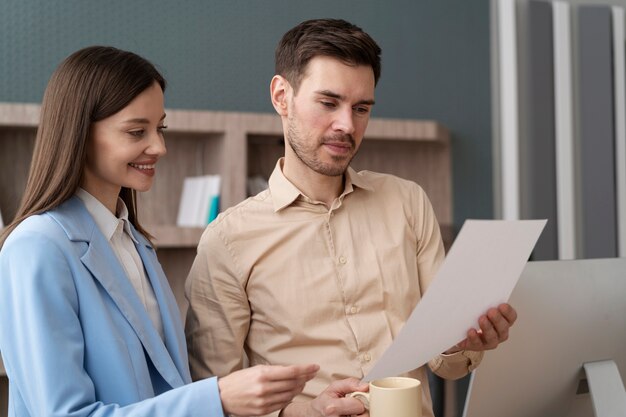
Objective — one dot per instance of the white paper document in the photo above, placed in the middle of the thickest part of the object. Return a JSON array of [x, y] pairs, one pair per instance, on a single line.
[[479, 272]]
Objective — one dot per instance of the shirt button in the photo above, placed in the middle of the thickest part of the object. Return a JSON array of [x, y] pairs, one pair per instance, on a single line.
[[353, 310], [342, 260], [367, 357]]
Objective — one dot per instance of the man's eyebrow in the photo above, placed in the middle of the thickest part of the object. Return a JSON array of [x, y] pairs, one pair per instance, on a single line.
[[334, 95], [142, 120]]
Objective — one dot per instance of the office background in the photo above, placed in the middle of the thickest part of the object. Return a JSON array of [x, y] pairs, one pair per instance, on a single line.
[[218, 55], [559, 130]]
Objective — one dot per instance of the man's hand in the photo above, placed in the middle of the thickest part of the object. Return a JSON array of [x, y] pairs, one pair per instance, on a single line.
[[331, 402], [262, 389], [494, 329]]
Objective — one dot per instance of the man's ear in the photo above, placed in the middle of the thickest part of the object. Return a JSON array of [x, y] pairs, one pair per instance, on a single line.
[[279, 92]]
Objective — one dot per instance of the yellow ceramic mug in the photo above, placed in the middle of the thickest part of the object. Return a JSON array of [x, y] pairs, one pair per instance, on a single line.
[[393, 396]]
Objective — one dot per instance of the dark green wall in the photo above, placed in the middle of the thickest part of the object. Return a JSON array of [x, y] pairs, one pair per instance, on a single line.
[[218, 55]]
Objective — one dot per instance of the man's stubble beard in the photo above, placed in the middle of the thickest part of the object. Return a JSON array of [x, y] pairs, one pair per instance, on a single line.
[[308, 158]]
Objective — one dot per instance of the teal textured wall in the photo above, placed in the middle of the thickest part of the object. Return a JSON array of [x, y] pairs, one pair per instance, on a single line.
[[218, 55]]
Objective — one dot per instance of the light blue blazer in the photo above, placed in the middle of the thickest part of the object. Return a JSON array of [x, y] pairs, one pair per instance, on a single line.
[[75, 338]]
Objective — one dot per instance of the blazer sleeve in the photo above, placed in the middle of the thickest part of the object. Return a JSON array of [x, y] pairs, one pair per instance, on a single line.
[[42, 341]]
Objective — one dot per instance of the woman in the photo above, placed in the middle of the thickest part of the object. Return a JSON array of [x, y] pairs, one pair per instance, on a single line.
[[88, 324]]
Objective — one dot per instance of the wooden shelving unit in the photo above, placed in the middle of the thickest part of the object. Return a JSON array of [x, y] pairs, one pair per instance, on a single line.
[[235, 146]]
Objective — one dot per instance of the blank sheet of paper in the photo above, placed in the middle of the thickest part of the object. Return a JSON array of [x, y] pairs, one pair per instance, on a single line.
[[479, 272]]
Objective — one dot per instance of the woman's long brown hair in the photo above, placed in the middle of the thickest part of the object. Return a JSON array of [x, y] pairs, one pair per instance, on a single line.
[[90, 85]]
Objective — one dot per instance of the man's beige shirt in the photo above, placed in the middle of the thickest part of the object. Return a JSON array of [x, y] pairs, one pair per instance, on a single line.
[[292, 281]]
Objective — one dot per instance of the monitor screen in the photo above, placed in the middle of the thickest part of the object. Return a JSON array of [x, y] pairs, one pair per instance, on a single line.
[[569, 313]]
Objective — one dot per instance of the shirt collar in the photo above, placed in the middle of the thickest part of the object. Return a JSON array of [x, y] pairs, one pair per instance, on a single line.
[[105, 220], [285, 193], [356, 178], [122, 213]]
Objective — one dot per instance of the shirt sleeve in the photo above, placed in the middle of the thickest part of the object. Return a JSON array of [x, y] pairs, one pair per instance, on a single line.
[[42, 342], [430, 254], [218, 318], [456, 365]]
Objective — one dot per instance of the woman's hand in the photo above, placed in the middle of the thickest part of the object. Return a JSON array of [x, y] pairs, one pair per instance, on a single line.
[[264, 388]]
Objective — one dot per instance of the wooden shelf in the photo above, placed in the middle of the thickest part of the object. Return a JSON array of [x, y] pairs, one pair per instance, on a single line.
[[19, 114]]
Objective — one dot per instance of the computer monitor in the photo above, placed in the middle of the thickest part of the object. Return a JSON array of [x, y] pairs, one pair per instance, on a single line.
[[569, 313]]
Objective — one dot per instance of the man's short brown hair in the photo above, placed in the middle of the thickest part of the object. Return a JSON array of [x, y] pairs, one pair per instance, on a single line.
[[334, 38]]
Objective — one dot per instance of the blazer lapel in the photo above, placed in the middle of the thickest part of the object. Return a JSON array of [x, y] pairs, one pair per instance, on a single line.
[[174, 337], [105, 267], [103, 264]]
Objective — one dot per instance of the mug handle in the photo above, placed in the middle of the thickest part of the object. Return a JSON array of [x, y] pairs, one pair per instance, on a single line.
[[364, 397]]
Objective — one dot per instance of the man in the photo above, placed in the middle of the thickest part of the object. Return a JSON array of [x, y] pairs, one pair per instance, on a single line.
[[327, 264]]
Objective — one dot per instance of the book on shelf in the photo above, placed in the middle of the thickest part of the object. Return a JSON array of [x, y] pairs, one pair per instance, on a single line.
[[199, 201]]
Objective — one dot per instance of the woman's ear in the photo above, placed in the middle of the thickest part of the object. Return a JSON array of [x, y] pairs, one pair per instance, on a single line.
[[279, 92]]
